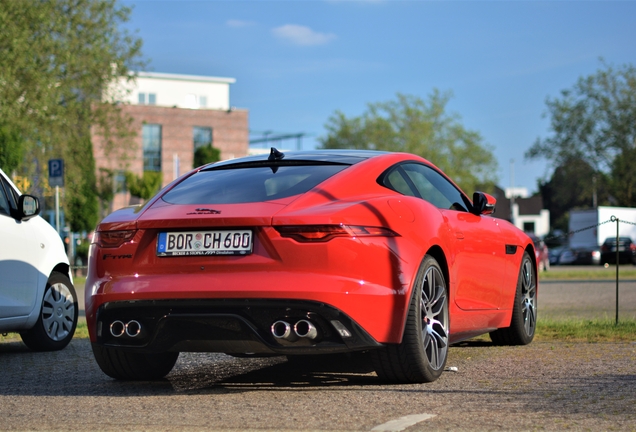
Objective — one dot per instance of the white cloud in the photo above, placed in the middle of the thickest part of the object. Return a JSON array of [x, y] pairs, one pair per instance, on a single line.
[[301, 35], [239, 23]]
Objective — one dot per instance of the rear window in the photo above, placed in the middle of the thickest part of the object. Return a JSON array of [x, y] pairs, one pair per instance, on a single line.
[[249, 184]]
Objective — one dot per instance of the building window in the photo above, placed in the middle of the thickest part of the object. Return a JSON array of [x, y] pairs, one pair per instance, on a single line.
[[150, 100], [202, 136], [151, 137], [528, 227], [203, 101]]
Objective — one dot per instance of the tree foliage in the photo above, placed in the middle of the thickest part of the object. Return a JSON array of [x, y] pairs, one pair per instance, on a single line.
[[10, 148], [81, 204], [58, 59], [570, 188], [594, 121], [144, 187], [105, 190], [423, 127], [205, 155]]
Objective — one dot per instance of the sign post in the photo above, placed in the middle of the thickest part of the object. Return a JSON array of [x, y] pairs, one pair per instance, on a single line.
[[56, 178]]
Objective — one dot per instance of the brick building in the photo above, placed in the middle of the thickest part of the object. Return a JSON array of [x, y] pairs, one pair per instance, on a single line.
[[172, 116]]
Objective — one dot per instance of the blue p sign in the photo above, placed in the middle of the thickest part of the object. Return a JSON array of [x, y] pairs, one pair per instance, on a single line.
[[56, 172]]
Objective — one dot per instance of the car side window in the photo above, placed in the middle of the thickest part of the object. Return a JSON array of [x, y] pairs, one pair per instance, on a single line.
[[396, 181], [428, 184], [5, 207]]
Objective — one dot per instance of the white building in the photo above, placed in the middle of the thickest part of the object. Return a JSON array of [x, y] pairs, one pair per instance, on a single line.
[[178, 91]]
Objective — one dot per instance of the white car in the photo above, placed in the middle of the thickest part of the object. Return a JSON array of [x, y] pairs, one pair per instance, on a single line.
[[37, 297]]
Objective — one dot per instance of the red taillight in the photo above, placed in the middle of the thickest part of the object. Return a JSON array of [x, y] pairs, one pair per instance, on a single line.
[[323, 233], [113, 239]]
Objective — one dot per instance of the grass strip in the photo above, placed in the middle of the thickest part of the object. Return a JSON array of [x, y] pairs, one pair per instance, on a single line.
[[586, 274], [577, 330]]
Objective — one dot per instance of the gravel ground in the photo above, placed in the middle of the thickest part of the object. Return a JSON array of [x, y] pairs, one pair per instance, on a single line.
[[545, 386], [542, 386]]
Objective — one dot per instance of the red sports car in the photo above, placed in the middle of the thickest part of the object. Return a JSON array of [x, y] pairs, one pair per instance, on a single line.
[[306, 253]]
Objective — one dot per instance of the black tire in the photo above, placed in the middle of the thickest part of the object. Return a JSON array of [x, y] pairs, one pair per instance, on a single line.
[[57, 321], [129, 366], [524, 312], [421, 356]]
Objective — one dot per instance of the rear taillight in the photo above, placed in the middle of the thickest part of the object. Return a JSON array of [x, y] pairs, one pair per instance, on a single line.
[[113, 239], [323, 233]]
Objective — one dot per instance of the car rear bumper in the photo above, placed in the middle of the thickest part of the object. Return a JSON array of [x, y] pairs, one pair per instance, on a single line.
[[233, 326]]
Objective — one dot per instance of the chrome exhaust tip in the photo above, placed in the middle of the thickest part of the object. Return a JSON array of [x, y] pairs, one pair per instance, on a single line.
[[133, 328], [305, 329], [282, 330], [117, 328]]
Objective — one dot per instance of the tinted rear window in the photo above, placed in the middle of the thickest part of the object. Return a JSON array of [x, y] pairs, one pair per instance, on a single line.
[[250, 184]]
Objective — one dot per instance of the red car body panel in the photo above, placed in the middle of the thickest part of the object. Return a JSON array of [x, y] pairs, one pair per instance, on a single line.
[[369, 279]]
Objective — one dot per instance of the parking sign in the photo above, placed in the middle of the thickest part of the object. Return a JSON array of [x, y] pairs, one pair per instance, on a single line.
[[56, 172]]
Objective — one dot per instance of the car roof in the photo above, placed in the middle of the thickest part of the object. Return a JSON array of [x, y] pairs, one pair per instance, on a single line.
[[348, 157]]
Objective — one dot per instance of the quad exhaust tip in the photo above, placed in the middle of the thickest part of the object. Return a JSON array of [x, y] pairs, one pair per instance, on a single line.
[[303, 329], [283, 330], [132, 328]]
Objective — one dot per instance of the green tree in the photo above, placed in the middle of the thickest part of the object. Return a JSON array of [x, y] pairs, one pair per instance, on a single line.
[[423, 127], [60, 59], [81, 203], [105, 190], [205, 155], [144, 187], [623, 178], [570, 188], [10, 148], [594, 121]]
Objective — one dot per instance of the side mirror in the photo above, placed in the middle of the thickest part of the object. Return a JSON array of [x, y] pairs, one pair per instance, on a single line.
[[28, 207], [483, 204]]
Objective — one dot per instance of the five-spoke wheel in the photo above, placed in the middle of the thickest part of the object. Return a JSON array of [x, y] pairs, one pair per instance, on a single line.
[[421, 356], [524, 312]]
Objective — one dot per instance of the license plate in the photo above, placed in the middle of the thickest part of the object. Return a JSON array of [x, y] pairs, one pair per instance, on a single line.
[[225, 242]]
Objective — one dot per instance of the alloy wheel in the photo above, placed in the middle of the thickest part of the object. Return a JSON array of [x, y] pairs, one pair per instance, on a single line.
[[434, 318]]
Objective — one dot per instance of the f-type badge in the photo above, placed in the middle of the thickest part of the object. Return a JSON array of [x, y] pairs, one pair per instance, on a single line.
[[205, 211]]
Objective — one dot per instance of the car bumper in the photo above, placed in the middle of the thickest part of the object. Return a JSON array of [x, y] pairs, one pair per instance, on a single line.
[[365, 308], [242, 326]]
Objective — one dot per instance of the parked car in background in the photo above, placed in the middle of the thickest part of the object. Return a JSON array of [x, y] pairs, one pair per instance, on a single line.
[[541, 252], [626, 251], [308, 253], [564, 255], [587, 255], [37, 297]]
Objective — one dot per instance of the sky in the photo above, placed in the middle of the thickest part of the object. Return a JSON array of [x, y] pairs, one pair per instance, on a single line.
[[297, 62]]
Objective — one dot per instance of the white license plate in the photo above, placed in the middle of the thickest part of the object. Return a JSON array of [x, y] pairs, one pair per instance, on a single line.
[[218, 242]]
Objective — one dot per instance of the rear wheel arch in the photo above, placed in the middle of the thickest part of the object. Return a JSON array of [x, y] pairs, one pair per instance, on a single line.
[[436, 252], [422, 353]]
